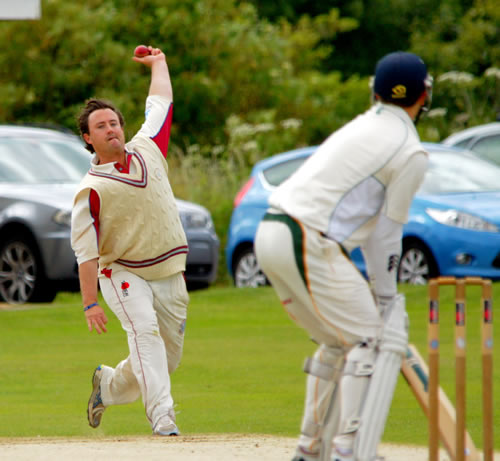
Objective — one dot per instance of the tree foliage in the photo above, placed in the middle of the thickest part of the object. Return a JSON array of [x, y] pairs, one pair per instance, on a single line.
[[460, 46], [461, 40], [223, 60], [259, 62]]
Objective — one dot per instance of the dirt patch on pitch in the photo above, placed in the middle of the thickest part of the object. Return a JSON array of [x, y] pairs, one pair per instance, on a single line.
[[227, 447]]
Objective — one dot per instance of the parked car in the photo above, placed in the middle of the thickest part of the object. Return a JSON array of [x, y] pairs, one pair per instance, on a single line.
[[203, 257], [483, 140], [453, 226], [39, 171]]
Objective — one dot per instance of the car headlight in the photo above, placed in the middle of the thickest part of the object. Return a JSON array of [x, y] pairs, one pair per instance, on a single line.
[[192, 220], [460, 219], [62, 217]]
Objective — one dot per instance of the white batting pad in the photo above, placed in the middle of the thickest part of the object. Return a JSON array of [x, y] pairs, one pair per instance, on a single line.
[[392, 347], [324, 370]]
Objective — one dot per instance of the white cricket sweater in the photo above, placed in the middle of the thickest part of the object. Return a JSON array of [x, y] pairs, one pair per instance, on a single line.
[[139, 224]]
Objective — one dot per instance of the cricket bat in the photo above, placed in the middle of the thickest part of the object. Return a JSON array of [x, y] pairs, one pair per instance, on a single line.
[[416, 373]]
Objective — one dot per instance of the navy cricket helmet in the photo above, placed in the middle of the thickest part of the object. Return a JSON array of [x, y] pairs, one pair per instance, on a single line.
[[401, 77]]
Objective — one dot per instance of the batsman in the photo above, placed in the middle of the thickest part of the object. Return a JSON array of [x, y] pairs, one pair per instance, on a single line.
[[354, 191], [126, 232]]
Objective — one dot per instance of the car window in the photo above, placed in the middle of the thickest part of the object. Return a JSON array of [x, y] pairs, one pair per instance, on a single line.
[[42, 161], [276, 174], [463, 144], [488, 148], [456, 173]]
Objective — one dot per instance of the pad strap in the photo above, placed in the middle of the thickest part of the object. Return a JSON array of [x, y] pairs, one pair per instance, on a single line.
[[322, 370]]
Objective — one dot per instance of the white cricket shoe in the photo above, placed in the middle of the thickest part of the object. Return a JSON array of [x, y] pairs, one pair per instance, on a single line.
[[337, 457], [304, 455], [166, 425]]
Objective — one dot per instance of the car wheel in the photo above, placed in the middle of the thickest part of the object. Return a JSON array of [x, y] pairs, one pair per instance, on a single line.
[[247, 272], [417, 265], [21, 274]]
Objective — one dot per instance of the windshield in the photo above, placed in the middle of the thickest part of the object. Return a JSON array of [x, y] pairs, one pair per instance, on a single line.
[[452, 172], [35, 161], [276, 174], [488, 148]]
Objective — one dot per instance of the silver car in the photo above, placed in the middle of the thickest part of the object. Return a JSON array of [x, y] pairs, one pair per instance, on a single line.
[[483, 140], [39, 171]]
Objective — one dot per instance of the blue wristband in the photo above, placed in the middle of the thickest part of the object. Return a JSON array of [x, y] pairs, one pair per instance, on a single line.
[[90, 306]]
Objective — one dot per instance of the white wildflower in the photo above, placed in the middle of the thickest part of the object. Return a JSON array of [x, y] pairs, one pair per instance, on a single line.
[[456, 77], [243, 130], [437, 112], [291, 124], [492, 72], [250, 145], [217, 150], [264, 127], [193, 149]]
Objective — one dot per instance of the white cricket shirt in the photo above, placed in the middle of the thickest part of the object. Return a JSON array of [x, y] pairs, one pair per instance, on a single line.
[[372, 165]]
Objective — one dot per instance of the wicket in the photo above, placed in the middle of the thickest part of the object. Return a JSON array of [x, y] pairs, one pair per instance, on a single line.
[[460, 357]]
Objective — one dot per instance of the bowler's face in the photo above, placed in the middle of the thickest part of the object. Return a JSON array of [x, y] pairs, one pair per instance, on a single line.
[[105, 132]]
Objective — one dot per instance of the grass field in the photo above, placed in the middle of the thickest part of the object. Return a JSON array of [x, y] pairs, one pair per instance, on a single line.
[[240, 373]]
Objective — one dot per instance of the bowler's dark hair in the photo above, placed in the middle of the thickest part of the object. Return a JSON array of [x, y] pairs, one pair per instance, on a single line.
[[90, 106]]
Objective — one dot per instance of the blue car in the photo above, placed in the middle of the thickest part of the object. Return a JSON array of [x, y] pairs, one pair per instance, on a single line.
[[453, 227]]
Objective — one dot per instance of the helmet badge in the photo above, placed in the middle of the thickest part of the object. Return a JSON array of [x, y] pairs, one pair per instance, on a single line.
[[399, 92]]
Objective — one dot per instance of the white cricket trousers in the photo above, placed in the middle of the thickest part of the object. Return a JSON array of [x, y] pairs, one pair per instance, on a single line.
[[318, 285], [153, 314], [324, 293]]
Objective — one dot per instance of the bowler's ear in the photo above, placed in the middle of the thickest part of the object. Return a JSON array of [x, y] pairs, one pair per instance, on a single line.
[[86, 138]]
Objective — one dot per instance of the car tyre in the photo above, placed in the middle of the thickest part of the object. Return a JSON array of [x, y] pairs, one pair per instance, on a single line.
[[247, 272], [22, 278], [417, 264]]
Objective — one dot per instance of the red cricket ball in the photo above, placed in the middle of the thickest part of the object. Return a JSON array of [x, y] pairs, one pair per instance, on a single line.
[[141, 51]]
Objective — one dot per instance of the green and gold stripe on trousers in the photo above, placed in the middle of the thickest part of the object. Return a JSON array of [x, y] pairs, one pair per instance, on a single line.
[[297, 238]]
